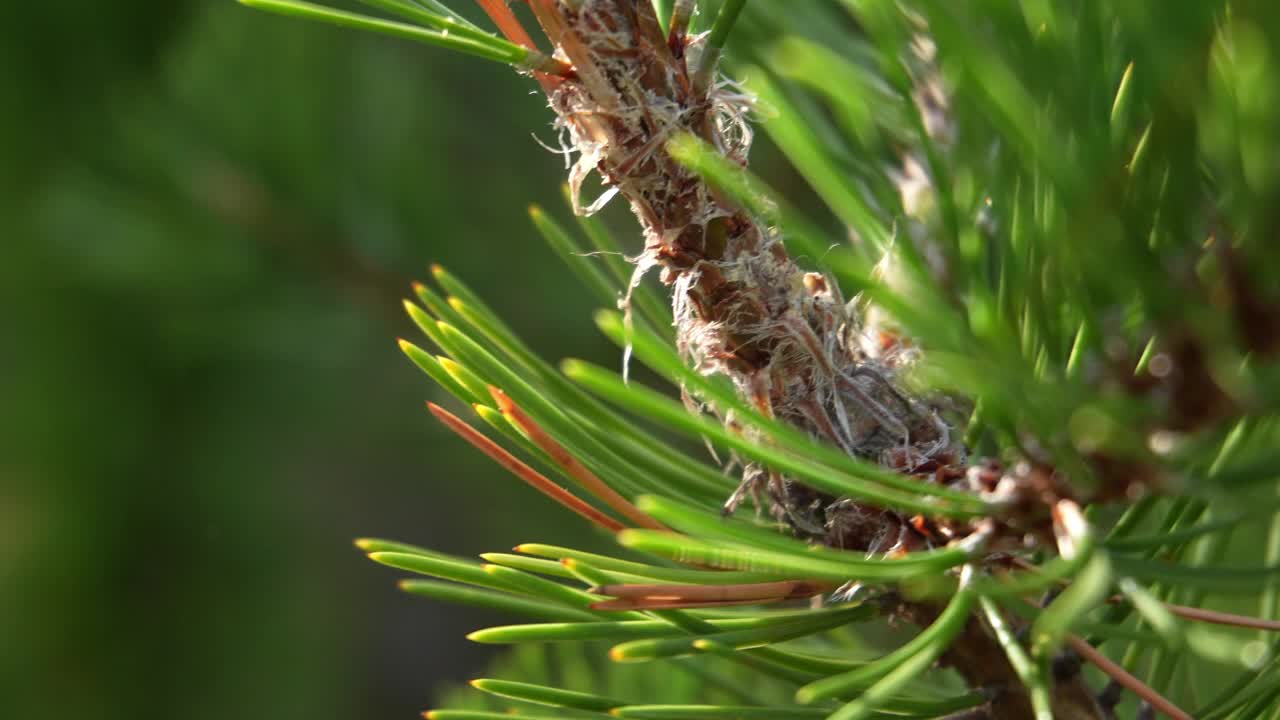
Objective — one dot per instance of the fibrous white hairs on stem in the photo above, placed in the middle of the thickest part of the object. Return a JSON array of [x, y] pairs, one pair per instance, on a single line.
[[742, 308], [731, 109], [564, 145]]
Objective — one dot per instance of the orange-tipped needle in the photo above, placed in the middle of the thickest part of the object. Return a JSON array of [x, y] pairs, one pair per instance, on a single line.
[[654, 597], [718, 593], [523, 471], [661, 604], [507, 22], [510, 26], [571, 464]]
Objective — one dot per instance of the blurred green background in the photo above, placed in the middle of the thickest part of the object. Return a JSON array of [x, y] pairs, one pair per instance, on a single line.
[[210, 215]]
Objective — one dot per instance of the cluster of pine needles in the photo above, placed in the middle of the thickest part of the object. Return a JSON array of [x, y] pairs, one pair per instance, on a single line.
[[1088, 266]]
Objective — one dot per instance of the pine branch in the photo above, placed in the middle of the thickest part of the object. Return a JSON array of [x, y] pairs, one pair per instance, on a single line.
[[1053, 268]]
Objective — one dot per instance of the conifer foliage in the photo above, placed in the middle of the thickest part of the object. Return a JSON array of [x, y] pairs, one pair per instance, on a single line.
[[1002, 445]]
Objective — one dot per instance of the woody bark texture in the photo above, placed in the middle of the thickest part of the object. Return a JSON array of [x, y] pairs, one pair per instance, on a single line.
[[742, 308]]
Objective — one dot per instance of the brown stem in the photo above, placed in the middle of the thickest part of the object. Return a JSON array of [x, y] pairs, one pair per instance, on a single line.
[[1221, 618], [1117, 673]]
